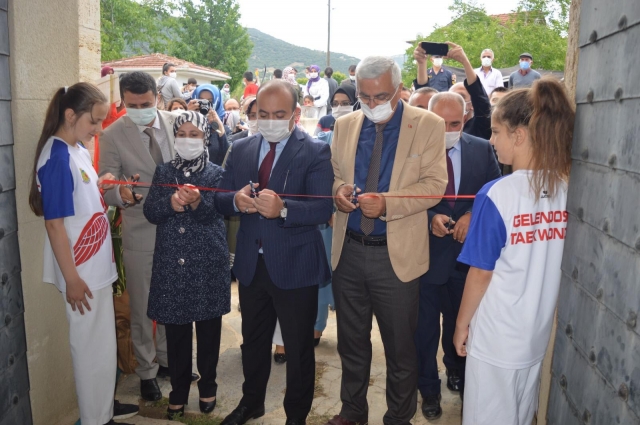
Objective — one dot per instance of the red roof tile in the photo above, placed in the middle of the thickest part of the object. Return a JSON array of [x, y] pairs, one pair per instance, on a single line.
[[156, 60]]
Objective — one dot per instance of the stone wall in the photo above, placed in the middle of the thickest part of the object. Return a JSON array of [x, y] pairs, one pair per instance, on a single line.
[[53, 43]]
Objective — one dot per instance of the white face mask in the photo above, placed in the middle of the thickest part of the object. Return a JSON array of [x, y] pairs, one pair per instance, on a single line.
[[142, 116], [253, 127], [313, 75], [189, 148], [340, 111], [487, 61], [274, 131], [173, 74], [437, 62], [381, 112], [352, 77], [451, 138]]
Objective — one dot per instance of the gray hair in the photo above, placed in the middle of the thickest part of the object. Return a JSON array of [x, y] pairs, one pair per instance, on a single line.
[[450, 96], [373, 67], [488, 50]]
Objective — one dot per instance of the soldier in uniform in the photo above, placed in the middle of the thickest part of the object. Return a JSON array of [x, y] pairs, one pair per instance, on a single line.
[[436, 77]]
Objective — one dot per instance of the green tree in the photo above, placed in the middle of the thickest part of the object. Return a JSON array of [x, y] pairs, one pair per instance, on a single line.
[[130, 28], [211, 35], [537, 26], [339, 77]]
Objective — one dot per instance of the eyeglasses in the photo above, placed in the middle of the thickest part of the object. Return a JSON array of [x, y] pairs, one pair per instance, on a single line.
[[377, 99], [344, 103]]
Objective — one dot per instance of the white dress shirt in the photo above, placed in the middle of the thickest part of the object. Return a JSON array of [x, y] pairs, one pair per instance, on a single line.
[[490, 80]]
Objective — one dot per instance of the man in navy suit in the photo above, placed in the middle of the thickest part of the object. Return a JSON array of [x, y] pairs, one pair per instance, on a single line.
[[470, 164], [280, 258]]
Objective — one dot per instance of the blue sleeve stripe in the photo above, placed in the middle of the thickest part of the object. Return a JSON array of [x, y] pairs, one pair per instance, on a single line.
[[56, 183], [487, 233]]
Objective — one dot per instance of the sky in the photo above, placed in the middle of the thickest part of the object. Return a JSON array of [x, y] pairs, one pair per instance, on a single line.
[[358, 27]]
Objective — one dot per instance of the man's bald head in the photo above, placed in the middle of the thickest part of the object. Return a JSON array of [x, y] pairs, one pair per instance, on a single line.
[[421, 97], [450, 107], [279, 88]]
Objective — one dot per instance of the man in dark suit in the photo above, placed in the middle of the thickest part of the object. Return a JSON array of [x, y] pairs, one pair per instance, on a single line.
[[279, 259], [470, 164]]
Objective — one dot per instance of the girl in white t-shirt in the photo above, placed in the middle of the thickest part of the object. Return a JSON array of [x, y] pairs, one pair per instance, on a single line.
[[78, 256], [514, 247]]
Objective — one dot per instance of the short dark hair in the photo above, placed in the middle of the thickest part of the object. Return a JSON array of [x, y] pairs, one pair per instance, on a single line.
[[500, 89], [192, 81], [352, 68], [138, 82], [248, 75], [166, 67], [277, 73], [328, 72], [283, 86], [309, 97]]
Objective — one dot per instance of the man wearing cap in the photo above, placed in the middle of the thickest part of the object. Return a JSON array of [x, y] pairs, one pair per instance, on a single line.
[[525, 76], [437, 77]]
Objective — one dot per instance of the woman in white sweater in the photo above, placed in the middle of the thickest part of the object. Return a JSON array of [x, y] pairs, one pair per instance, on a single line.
[[319, 89]]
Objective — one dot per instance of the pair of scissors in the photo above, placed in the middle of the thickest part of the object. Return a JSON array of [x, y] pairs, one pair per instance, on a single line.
[[131, 188], [254, 194], [354, 195]]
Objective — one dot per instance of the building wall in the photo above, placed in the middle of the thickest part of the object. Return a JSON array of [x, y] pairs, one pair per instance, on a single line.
[[53, 44], [596, 362], [14, 391]]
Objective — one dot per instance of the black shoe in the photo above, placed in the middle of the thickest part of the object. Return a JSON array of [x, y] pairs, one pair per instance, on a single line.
[[293, 421], [242, 414], [111, 422], [431, 407], [149, 389], [195, 377], [175, 413], [454, 381], [207, 406], [280, 358], [316, 341], [124, 411], [163, 372]]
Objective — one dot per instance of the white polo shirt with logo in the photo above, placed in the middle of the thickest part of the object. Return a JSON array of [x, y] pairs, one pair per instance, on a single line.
[[521, 239]]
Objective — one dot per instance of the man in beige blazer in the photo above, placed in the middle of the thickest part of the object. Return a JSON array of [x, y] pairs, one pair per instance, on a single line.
[[391, 151], [133, 146]]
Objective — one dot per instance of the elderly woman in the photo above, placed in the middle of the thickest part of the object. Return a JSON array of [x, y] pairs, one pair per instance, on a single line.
[[190, 280], [318, 88]]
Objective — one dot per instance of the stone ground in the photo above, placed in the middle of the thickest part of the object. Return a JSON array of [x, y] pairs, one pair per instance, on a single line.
[[327, 399]]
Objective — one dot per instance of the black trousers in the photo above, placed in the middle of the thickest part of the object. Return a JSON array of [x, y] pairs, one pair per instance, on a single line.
[[364, 284], [435, 300], [179, 348], [262, 303]]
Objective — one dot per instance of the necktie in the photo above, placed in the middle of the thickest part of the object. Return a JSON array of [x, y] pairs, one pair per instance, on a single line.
[[154, 147], [451, 184], [373, 176], [265, 168]]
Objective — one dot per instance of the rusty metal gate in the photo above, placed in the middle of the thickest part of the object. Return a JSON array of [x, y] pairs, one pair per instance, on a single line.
[[15, 406], [596, 364]]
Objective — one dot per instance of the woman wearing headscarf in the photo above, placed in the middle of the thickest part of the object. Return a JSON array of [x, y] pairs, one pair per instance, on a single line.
[[218, 143], [190, 281], [319, 89], [106, 70], [226, 93], [343, 102], [289, 75]]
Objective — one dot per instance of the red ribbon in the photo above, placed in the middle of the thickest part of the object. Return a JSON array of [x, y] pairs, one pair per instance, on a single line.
[[283, 195]]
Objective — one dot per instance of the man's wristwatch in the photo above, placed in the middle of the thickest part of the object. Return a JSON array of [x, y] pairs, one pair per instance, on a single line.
[[283, 211]]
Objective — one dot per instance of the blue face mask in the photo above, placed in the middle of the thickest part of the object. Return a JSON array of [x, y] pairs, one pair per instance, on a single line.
[[142, 116], [524, 65]]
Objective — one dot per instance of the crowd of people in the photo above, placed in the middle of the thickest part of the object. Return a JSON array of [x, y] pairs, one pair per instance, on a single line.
[[443, 200]]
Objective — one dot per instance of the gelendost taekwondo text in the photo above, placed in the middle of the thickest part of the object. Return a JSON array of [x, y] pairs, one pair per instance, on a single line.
[[536, 235]]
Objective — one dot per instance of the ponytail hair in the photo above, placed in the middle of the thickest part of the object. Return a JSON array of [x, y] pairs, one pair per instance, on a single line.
[[80, 98], [548, 114]]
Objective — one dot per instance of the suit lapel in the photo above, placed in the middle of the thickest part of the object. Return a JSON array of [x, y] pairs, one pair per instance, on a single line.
[[408, 127], [465, 172], [351, 147], [294, 144], [253, 158], [167, 121], [132, 133]]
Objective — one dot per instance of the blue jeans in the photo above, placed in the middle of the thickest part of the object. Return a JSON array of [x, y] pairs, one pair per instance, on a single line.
[[325, 293]]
